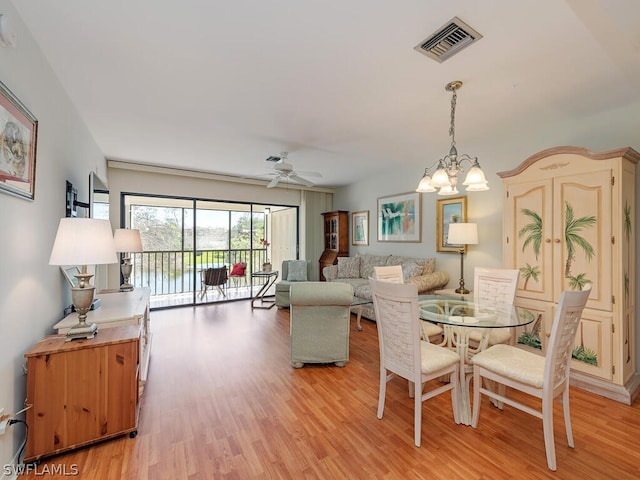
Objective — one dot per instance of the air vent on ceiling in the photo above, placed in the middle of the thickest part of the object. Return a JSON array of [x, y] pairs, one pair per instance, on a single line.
[[449, 40]]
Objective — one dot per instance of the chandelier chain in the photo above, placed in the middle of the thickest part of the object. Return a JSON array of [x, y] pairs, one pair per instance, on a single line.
[[452, 127]]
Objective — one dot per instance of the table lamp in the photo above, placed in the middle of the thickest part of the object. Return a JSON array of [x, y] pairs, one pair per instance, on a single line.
[[127, 240], [462, 234], [83, 241]]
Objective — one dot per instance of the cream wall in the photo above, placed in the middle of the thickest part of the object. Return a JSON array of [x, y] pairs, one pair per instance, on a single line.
[[618, 128], [32, 293]]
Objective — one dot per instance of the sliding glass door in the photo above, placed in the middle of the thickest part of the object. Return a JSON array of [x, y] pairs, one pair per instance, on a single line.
[[182, 238]]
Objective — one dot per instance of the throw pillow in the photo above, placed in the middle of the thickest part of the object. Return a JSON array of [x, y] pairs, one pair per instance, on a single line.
[[348, 267], [238, 269], [367, 263], [429, 266], [297, 271], [410, 270]]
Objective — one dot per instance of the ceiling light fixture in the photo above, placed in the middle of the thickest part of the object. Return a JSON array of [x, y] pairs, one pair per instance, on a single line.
[[445, 176]]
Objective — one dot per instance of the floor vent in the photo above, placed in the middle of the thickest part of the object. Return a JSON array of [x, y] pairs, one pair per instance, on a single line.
[[454, 36]]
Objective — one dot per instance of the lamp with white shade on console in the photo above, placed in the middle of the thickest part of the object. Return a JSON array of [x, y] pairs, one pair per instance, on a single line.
[[127, 241], [83, 241]]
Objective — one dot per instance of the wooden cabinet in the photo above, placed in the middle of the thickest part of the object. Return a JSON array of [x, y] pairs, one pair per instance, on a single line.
[[82, 391], [569, 220], [118, 309], [336, 238]]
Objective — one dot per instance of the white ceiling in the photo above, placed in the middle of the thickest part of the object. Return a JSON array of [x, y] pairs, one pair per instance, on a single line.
[[219, 86]]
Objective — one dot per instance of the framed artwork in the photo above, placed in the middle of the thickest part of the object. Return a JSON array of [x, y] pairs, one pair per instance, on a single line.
[[69, 273], [449, 210], [360, 228], [399, 218], [18, 134]]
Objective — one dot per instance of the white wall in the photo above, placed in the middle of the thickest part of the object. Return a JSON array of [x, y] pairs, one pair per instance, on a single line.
[[33, 294]]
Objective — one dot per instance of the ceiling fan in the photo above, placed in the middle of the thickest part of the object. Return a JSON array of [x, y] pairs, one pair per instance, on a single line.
[[284, 171]]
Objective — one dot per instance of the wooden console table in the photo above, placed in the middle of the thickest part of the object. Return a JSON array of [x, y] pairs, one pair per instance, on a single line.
[[82, 391], [119, 309]]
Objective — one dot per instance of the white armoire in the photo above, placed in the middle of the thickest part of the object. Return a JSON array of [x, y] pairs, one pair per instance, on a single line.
[[569, 219]]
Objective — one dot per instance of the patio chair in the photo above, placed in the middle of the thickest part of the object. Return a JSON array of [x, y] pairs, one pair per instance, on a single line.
[[214, 277], [546, 378], [238, 271], [404, 354]]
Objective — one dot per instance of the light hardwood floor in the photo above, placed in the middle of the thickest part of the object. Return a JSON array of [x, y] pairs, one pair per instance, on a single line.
[[222, 401]]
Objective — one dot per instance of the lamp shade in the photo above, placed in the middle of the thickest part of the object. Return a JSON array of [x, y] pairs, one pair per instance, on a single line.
[[463, 234], [440, 177], [83, 241], [127, 240], [425, 184]]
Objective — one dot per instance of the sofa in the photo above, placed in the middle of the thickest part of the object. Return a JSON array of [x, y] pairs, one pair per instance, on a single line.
[[357, 270], [292, 271], [320, 315]]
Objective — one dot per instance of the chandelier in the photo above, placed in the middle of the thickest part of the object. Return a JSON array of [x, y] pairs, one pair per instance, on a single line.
[[445, 176]]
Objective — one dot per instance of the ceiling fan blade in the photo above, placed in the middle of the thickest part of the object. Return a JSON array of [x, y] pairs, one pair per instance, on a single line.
[[273, 182], [301, 180]]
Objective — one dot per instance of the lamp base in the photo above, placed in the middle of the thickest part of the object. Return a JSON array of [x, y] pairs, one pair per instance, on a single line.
[[82, 330], [126, 287]]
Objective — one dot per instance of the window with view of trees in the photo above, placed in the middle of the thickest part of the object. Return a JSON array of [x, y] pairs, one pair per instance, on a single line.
[[182, 237]]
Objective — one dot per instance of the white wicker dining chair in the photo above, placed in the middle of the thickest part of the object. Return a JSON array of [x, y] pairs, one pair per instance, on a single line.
[[404, 354], [393, 273], [546, 378], [494, 286]]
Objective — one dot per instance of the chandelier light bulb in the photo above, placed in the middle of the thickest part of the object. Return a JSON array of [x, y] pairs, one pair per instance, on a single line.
[[448, 190], [440, 178], [475, 176], [425, 185]]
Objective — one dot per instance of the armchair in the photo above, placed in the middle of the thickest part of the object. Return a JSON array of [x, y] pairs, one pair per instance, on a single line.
[[292, 271], [319, 330]]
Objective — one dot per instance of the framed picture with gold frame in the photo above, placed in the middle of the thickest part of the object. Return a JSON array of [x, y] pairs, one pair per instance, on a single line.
[[360, 228], [449, 210]]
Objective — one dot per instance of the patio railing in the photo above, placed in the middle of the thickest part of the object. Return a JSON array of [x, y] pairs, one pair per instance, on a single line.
[[178, 272]]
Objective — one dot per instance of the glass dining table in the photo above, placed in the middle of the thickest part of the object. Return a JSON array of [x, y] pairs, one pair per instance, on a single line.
[[459, 317]]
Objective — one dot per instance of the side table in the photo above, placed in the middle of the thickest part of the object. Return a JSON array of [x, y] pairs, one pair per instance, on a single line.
[[270, 278]]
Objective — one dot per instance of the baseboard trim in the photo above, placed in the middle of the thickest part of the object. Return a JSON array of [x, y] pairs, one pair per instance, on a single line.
[[620, 393]]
